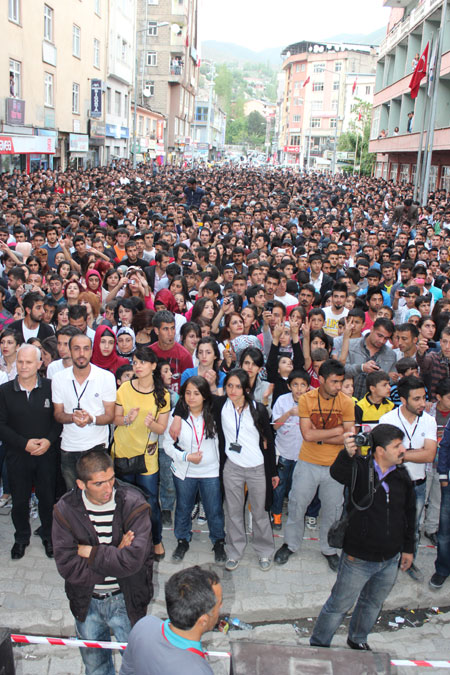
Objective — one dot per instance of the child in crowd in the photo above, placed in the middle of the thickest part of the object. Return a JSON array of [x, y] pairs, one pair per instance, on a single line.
[[123, 374], [375, 403], [404, 367]]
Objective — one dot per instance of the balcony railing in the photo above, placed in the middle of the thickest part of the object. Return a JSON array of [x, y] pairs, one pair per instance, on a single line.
[[176, 67], [404, 27]]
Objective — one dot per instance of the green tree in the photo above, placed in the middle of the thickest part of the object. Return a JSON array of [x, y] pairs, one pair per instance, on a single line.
[[357, 138]]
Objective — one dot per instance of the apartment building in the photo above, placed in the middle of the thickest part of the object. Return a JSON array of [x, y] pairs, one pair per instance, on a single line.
[[168, 68], [320, 84], [208, 127], [395, 134], [52, 66]]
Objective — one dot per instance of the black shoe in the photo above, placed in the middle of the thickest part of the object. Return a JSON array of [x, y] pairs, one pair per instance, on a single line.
[[38, 531], [159, 556], [166, 517], [48, 547], [437, 580], [362, 646], [283, 554], [219, 552], [18, 551], [333, 562], [432, 536], [180, 550]]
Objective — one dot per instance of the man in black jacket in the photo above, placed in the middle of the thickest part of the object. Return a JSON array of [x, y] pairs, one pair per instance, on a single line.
[[103, 549], [378, 540], [32, 325], [29, 431]]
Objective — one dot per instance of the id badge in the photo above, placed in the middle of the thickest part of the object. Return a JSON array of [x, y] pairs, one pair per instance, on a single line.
[[235, 447], [77, 409]]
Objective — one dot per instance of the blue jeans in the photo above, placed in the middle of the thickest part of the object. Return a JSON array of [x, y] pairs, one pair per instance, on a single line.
[[370, 583], [421, 493], [285, 470], [211, 497], [104, 617], [166, 486], [442, 563], [149, 484]]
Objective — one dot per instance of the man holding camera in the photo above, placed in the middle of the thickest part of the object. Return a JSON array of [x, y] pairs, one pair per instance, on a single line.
[[379, 537]]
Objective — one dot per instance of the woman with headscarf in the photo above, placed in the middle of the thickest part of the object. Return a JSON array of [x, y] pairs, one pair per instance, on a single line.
[[104, 353], [94, 282], [164, 299], [126, 343]]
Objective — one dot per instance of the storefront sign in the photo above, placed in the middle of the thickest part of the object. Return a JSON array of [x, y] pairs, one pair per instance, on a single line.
[[96, 98], [116, 131], [15, 111], [78, 143], [292, 148], [97, 129], [23, 145]]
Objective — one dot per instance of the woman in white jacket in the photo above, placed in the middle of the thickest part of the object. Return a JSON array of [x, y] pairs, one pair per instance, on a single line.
[[195, 465]]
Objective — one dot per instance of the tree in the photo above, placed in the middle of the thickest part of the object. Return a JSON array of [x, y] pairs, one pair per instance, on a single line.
[[357, 138]]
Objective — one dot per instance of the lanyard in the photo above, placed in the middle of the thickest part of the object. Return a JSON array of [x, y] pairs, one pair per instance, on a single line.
[[81, 395], [199, 442], [414, 430], [324, 422], [237, 422]]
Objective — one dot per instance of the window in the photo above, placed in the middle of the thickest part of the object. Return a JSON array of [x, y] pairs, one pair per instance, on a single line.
[[14, 10], [316, 122], [140, 125], [295, 139], [368, 90], [297, 67], [124, 51], [317, 86], [296, 118], [152, 59], [298, 101], [201, 114], [149, 88], [338, 66], [76, 40], [118, 102], [14, 78], [318, 67], [316, 106], [335, 85], [108, 100], [97, 7], [333, 124], [334, 105], [48, 89], [152, 28], [48, 23], [404, 173], [96, 53], [303, 68], [394, 171], [75, 98]]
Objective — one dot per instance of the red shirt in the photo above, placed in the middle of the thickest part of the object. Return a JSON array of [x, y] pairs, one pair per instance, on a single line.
[[179, 359]]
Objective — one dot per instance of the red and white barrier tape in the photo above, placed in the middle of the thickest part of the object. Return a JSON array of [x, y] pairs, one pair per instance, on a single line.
[[421, 664]]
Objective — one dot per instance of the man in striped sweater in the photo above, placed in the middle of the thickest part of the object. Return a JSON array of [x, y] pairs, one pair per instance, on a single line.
[[103, 549]]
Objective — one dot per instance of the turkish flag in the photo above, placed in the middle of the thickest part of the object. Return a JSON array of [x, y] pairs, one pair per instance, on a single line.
[[419, 73], [306, 82], [359, 117], [354, 86]]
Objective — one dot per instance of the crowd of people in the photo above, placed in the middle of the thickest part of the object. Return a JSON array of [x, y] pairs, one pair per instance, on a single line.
[[216, 337]]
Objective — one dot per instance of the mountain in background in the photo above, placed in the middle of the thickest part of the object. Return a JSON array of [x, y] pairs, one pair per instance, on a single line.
[[228, 52]]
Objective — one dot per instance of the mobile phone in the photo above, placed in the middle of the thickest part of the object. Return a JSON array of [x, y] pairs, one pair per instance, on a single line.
[[268, 307], [28, 287]]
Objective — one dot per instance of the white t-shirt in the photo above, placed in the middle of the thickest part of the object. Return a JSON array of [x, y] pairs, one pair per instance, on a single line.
[[332, 320], [98, 387], [54, 367], [426, 429], [288, 440], [287, 299], [248, 437], [29, 333]]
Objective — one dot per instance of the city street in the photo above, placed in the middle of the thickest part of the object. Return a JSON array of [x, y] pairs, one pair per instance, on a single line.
[[32, 601]]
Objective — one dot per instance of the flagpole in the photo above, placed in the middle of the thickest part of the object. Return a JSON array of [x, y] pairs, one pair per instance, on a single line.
[[430, 134], [356, 153], [417, 180]]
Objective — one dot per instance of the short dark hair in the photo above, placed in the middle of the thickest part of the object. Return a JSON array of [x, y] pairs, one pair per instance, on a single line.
[[405, 364], [163, 316], [299, 374], [331, 367], [77, 312], [443, 386], [410, 327], [387, 324], [383, 434], [91, 462], [375, 378], [30, 299], [189, 594], [408, 384]]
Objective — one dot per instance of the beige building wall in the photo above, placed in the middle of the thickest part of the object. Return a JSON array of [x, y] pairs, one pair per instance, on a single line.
[[42, 42]]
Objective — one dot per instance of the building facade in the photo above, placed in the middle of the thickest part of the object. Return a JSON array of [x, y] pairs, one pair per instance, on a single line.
[[395, 133], [208, 128], [320, 85], [168, 68], [149, 135], [50, 55]]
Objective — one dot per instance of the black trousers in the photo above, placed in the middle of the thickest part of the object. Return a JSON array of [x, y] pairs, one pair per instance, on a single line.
[[24, 471]]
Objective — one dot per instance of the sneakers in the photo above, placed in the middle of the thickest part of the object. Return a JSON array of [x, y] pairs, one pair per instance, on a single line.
[[311, 522], [283, 554], [231, 565], [276, 521], [219, 551], [201, 518], [265, 564], [180, 551], [166, 516], [5, 501], [437, 580], [415, 574], [333, 561]]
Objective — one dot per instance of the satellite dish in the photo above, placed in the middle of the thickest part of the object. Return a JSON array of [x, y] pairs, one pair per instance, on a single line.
[[176, 29], [146, 92]]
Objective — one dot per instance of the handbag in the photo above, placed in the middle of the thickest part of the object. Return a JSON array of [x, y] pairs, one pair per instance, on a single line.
[[136, 464], [336, 533]]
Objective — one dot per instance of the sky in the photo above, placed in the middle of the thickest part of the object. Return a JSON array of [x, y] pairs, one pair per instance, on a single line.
[[258, 24]]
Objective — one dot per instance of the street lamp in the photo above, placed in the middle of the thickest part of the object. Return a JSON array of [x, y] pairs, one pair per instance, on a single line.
[[143, 30]]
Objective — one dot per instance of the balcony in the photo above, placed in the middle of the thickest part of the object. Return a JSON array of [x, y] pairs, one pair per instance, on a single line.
[[404, 27], [176, 69]]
